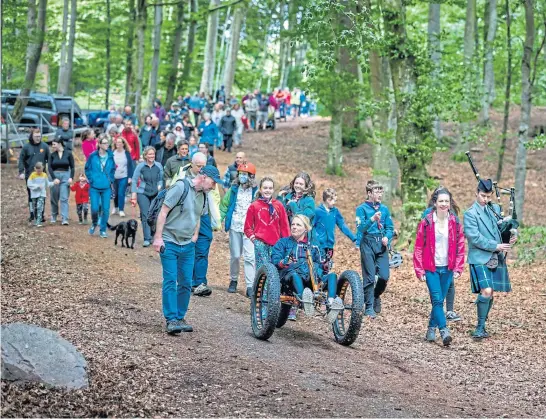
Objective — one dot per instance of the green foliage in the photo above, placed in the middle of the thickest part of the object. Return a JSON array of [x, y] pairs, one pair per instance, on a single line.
[[531, 245], [537, 143]]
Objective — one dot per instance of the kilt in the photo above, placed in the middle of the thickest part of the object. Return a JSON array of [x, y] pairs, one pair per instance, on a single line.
[[483, 277]]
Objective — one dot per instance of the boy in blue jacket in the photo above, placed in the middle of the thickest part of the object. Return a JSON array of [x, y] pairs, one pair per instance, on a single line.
[[327, 216], [374, 233]]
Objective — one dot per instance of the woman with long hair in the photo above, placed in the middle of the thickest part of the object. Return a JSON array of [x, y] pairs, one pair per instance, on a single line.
[[124, 172], [299, 197], [61, 170]]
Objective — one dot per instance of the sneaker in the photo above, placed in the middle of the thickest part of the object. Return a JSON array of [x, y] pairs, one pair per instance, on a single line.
[[335, 307], [193, 288], [249, 292], [80, 222], [377, 305], [308, 302], [232, 287], [91, 230], [146, 243], [184, 327], [370, 313], [65, 222], [431, 334], [202, 290], [103, 234], [451, 316], [85, 221], [114, 211], [39, 224], [293, 313], [121, 214], [173, 327], [53, 220], [480, 333], [446, 336]]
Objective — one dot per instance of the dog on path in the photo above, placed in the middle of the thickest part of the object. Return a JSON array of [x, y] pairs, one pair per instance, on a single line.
[[125, 229]]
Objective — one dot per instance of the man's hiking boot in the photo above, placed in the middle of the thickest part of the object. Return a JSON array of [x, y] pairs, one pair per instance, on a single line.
[[202, 290], [173, 328], [232, 287], [431, 334], [446, 336], [184, 327]]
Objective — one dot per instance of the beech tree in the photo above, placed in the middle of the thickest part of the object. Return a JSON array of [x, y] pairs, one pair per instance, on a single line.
[[207, 78]]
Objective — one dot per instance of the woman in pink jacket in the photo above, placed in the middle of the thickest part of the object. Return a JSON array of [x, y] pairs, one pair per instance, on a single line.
[[438, 257]]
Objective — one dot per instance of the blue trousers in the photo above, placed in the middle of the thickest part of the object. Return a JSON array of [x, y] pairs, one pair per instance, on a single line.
[[297, 283], [202, 248], [438, 283], [177, 262], [120, 187], [100, 200]]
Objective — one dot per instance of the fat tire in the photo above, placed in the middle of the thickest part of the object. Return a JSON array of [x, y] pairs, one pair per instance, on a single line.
[[346, 334], [283, 315], [263, 328]]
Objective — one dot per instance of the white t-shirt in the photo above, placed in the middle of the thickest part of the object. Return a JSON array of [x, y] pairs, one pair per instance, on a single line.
[[243, 201], [441, 231], [120, 158]]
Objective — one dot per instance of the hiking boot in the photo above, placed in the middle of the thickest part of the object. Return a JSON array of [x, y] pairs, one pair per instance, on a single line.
[[173, 327], [451, 316], [446, 336], [202, 290], [184, 327], [232, 287], [249, 292], [293, 313], [480, 333], [431, 334], [377, 305], [308, 302], [370, 313], [91, 230], [334, 308]]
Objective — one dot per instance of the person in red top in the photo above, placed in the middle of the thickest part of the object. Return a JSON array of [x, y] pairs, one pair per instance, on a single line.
[[266, 222], [438, 257], [132, 139], [82, 198]]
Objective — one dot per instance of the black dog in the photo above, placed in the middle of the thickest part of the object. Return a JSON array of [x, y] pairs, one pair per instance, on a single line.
[[125, 229]]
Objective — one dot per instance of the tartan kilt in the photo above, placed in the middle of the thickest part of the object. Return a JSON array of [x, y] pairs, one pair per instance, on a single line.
[[483, 277]]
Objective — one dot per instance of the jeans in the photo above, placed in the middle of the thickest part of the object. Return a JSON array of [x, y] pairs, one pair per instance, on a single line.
[[100, 199], [177, 262], [202, 248], [60, 192], [120, 187], [240, 244], [438, 283], [228, 142], [144, 202], [252, 119]]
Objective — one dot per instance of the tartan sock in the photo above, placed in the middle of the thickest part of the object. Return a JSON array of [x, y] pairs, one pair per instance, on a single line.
[[482, 307]]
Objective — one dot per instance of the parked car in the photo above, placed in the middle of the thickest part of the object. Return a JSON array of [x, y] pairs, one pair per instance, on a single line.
[[45, 110]]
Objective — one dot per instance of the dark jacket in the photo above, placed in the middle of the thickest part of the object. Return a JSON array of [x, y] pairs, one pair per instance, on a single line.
[[30, 155], [290, 256], [263, 104], [63, 163], [148, 137], [228, 125], [98, 177], [66, 136], [162, 154]]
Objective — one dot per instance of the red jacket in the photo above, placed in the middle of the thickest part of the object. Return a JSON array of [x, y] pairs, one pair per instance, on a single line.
[[265, 227], [82, 193], [425, 245], [132, 139]]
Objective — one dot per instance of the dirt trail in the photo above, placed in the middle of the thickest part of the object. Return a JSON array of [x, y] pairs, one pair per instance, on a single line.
[[107, 301]]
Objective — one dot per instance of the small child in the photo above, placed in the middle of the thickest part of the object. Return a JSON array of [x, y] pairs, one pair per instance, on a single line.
[[37, 183], [89, 143], [327, 216], [194, 148], [82, 198]]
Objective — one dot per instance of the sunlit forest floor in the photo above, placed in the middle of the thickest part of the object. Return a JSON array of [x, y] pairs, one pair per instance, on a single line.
[[107, 301]]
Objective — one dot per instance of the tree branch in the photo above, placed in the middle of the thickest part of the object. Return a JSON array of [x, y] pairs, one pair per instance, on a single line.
[[537, 54]]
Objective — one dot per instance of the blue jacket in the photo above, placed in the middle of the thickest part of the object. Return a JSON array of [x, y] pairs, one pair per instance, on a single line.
[[324, 226], [289, 256], [364, 224], [305, 206], [195, 103], [209, 133], [98, 177], [482, 232], [227, 206]]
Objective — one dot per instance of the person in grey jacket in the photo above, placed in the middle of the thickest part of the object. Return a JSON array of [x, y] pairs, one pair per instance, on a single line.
[[486, 254], [147, 182], [65, 134], [228, 126]]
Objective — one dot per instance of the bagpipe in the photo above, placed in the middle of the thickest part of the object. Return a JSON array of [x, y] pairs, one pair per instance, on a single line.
[[507, 225]]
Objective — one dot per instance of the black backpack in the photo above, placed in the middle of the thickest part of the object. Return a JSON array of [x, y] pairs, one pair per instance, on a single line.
[[157, 204]]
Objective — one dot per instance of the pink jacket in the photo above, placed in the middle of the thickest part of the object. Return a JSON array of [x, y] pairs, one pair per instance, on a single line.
[[88, 147], [425, 245]]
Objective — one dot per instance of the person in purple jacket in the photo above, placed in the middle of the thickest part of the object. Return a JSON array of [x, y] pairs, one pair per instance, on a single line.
[[159, 110]]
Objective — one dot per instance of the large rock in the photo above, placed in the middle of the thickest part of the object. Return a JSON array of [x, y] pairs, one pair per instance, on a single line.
[[32, 353]]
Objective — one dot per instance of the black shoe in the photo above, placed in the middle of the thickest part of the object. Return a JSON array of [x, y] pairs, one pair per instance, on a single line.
[[184, 327], [377, 305], [232, 287], [249, 292], [173, 328]]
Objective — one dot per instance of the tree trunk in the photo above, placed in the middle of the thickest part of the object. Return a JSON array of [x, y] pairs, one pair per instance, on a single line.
[[64, 37], [231, 59], [526, 86], [282, 43], [207, 79], [156, 44], [108, 62], [34, 50], [173, 70], [141, 14], [507, 89], [188, 59], [64, 83], [335, 141], [129, 93], [435, 54], [489, 75], [223, 53]]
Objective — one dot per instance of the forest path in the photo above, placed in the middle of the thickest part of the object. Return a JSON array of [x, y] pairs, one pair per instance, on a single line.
[[107, 301]]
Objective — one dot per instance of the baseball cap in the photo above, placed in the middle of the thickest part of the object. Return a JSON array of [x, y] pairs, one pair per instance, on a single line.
[[211, 172]]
